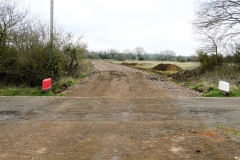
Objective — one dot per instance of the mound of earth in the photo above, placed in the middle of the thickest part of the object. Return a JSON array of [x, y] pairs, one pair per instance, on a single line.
[[166, 67], [129, 64]]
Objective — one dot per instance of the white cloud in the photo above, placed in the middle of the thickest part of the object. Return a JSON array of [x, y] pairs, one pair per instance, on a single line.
[[125, 24]]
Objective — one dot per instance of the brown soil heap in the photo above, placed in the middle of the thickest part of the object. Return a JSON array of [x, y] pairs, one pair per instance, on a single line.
[[166, 67]]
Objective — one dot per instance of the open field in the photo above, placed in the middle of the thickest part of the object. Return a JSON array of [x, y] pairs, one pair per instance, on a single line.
[[151, 64], [162, 68]]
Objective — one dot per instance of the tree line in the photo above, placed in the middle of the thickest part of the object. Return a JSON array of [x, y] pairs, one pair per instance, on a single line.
[[25, 50], [139, 53]]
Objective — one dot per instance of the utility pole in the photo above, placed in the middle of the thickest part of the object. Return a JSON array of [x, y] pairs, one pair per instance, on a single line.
[[51, 28], [51, 21]]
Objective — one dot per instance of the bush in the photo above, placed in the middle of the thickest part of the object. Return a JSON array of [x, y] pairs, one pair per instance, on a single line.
[[209, 62]]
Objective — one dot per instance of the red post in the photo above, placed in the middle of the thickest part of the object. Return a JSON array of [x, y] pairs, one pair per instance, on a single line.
[[46, 84]]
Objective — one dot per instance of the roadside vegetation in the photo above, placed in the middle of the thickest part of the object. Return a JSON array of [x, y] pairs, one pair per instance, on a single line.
[[27, 57], [228, 131], [217, 27]]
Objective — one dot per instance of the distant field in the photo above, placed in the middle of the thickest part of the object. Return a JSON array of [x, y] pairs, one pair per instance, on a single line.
[[151, 64]]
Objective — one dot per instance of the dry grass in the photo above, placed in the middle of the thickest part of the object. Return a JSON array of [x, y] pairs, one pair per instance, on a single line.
[[224, 73], [151, 64]]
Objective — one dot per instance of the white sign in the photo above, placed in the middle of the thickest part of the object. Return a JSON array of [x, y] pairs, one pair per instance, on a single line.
[[224, 86]]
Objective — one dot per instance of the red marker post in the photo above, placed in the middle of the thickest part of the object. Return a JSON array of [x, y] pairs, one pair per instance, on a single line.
[[46, 84]]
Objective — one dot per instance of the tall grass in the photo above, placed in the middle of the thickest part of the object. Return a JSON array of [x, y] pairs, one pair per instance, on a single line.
[[208, 81]]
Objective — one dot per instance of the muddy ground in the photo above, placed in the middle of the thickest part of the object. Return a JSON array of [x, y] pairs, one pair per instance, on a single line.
[[120, 113]]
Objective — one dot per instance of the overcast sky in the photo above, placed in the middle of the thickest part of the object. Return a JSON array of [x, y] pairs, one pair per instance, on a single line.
[[155, 25]]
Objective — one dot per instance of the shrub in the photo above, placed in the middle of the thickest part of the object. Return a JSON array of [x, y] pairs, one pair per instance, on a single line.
[[209, 62]]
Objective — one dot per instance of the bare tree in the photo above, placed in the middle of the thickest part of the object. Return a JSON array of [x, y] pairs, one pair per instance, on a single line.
[[113, 53], [212, 44], [218, 24], [170, 55], [126, 51], [139, 51], [10, 18], [129, 54], [222, 16]]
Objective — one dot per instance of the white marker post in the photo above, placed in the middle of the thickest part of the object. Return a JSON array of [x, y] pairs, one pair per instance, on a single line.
[[224, 86]]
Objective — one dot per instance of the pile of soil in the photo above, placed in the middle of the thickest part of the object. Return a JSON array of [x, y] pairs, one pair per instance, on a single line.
[[129, 64], [166, 67]]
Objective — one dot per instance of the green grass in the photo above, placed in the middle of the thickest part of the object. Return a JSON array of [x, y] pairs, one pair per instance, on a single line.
[[56, 90], [220, 127], [24, 91], [197, 87], [235, 132], [64, 83], [83, 75], [229, 131], [214, 92], [153, 74], [235, 92]]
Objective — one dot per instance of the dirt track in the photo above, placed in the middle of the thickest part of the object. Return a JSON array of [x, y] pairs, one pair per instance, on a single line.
[[120, 113], [116, 81]]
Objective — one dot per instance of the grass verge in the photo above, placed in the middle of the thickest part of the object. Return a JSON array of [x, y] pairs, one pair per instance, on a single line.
[[24, 91], [228, 131], [213, 91], [56, 90]]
